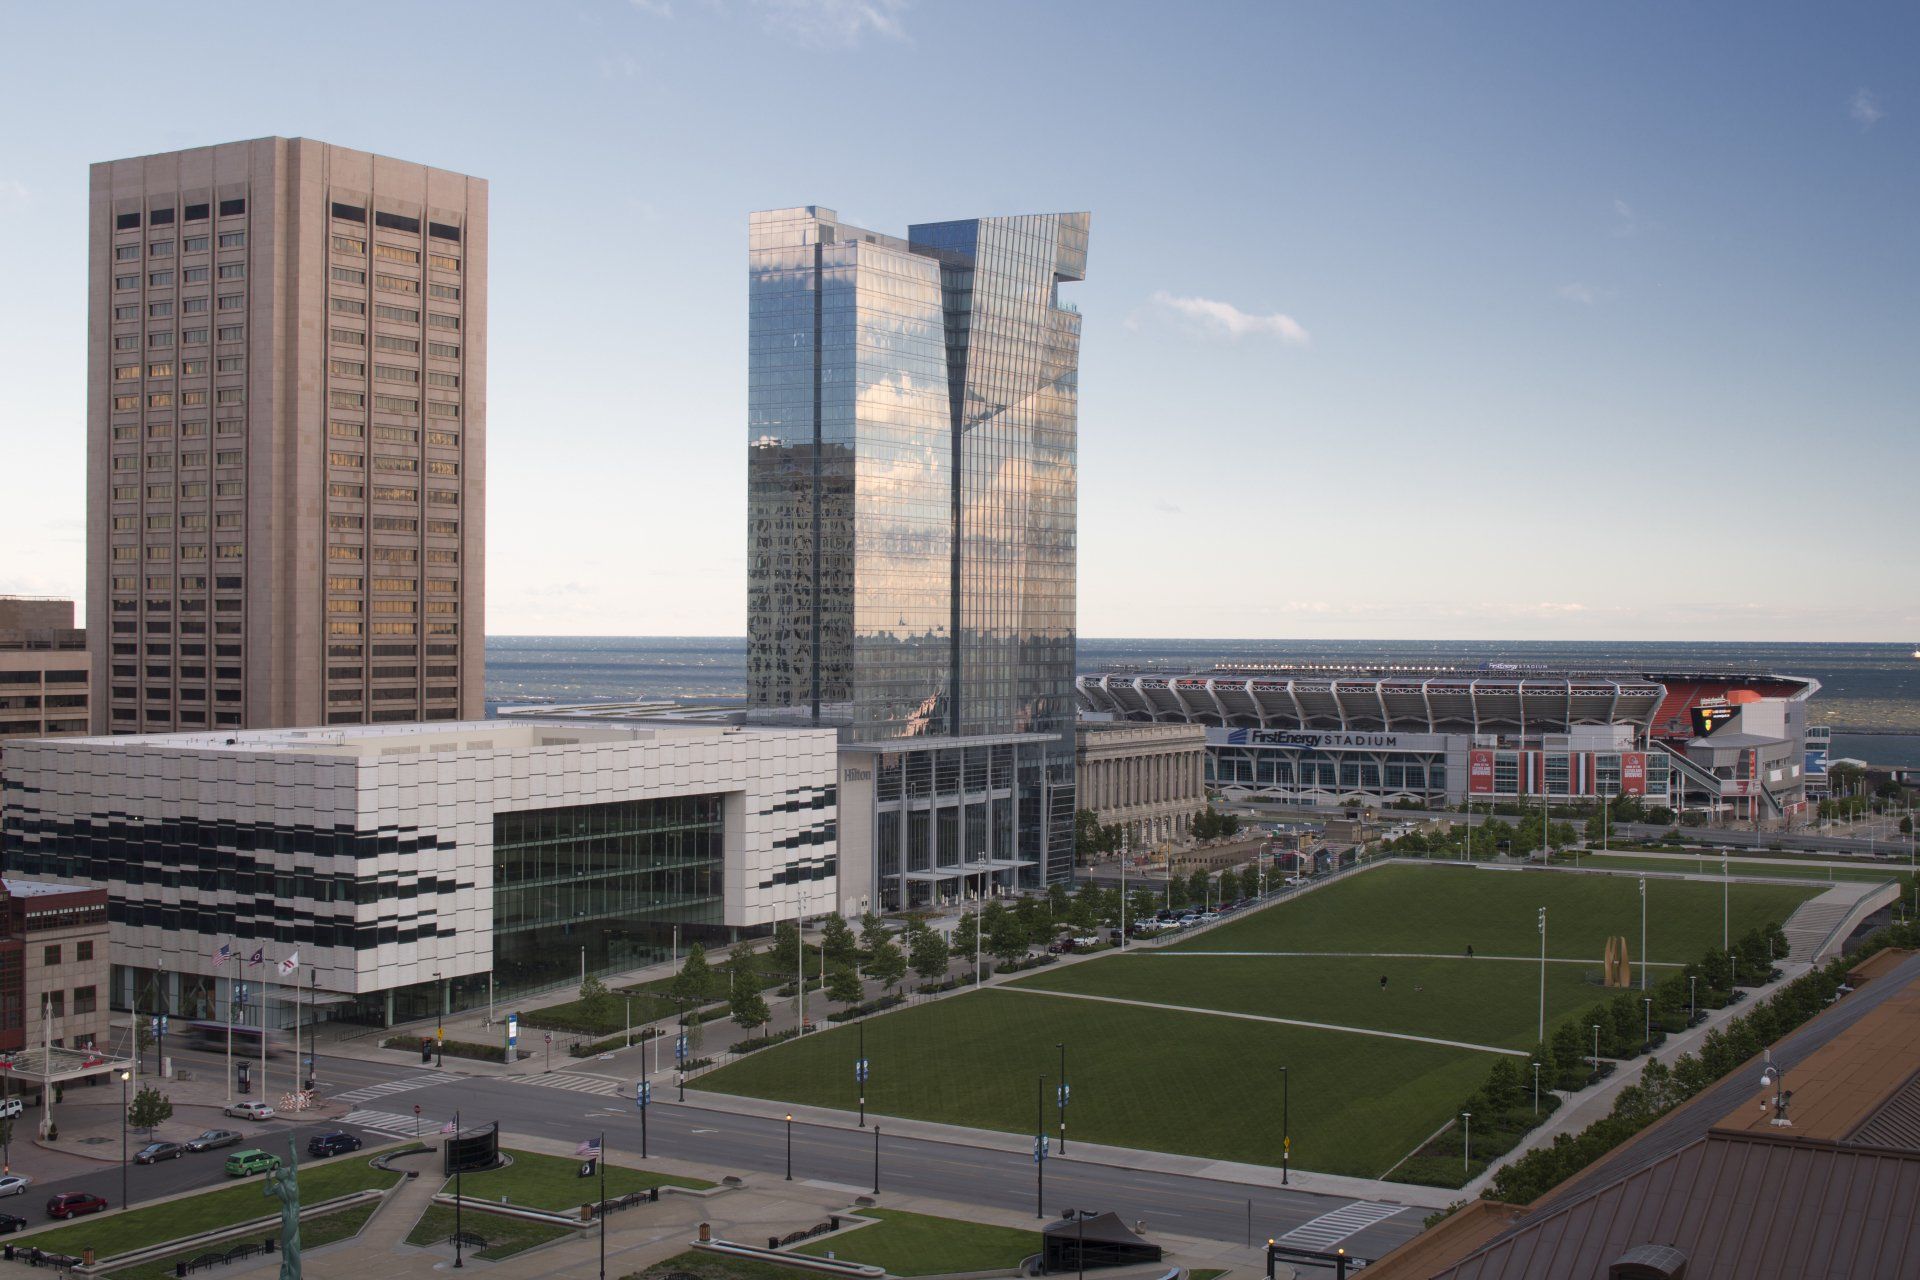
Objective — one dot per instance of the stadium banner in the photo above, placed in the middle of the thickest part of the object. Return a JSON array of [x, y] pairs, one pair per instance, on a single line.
[[1480, 772], [1633, 773]]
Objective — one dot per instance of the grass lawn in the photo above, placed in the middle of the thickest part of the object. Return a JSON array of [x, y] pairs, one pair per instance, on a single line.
[[1166, 1081], [536, 1181], [1443, 909], [1492, 1002], [914, 1244], [314, 1232], [505, 1236], [713, 1266], [122, 1231], [1709, 864]]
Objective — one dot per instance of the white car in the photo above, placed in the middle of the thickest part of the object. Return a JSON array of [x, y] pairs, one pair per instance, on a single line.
[[249, 1111], [15, 1184], [1294, 882]]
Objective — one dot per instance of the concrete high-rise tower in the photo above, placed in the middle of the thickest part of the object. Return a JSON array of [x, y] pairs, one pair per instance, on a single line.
[[913, 420], [286, 439]]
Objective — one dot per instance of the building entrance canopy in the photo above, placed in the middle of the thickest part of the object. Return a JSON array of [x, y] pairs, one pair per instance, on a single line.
[[57, 1065]]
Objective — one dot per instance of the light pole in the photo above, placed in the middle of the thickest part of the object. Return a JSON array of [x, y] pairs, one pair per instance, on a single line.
[[439, 1024], [1726, 899], [876, 1159], [630, 1023], [1040, 1149], [860, 1073], [1542, 1036], [1466, 1152], [1692, 979], [1286, 1123], [124, 1077], [459, 1167], [1643, 933], [1648, 1001], [1536, 1088], [1596, 1048], [1060, 1096], [789, 1146]]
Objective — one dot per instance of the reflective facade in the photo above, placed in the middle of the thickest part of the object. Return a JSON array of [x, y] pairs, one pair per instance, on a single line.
[[912, 424]]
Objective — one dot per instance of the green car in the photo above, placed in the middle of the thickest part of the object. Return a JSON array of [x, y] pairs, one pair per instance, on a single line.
[[242, 1163]]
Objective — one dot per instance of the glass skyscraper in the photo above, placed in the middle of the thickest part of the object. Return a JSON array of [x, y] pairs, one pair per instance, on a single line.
[[912, 410]]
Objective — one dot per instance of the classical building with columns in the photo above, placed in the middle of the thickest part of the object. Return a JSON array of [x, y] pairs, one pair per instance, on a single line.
[[1148, 778]]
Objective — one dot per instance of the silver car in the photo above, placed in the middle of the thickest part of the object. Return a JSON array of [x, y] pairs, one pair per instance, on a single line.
[[213, 1139]]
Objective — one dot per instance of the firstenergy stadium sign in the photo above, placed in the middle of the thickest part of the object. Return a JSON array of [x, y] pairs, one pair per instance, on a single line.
[[1326, 740]]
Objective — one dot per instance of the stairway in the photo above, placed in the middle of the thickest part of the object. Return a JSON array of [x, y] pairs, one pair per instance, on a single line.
[[1807, 928]]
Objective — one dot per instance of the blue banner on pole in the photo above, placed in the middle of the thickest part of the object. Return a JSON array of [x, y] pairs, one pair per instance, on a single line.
[[1065, 1093], [643, 1094], [1039, 1149], [680, 1049], [860, 1070]]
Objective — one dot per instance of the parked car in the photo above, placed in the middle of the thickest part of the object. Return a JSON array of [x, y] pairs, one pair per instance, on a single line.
[[252, 1160], [1295, 881], [249, 1111], [12, 1222], [15, 1184], [154, 1152], [212, 1139], [1083, 941], [332, 1144], [71, 1204]]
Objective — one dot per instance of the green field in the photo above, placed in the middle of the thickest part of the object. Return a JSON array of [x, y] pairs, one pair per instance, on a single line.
[[1490, 1002], [1183, 1082], [1445, 908], [324, 1229], [914, 1244], [112, 1233], [535, 1181], [1186, 1080], [504, 1236]]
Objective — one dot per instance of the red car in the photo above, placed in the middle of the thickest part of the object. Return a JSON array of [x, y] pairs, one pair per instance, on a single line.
[[71, 1204]]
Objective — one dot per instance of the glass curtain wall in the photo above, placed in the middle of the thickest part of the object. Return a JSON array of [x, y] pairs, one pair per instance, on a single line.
[[614, 879]]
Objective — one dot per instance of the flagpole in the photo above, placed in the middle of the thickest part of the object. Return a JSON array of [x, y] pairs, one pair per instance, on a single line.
[[266, 999], [459, 1167], [230, 1033], [601, 1208]]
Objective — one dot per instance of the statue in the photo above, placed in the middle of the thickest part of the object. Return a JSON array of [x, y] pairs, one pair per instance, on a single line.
[[283, 1184]]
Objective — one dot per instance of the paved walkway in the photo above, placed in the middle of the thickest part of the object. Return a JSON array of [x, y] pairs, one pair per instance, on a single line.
[[1408, 955], [1262, 1017]]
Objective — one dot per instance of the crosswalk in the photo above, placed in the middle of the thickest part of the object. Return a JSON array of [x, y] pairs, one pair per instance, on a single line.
[[600, 1085], [367, 1093], [1330, 1229], [392, 1122]]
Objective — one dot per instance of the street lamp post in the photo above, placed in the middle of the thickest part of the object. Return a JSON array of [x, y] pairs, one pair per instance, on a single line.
[[630, 1022], [1596, 1048], [1643, 933], [1286, 1123], [1648, 1001], [459, 1168], [876, 1159], [1040, 1148], [1692, 1013], [789, 1146], [1726, 899], [1466, 1151], [1060, 1096], [1536, 1088], [860, 1073], [124, 1077], [1542, 1036]]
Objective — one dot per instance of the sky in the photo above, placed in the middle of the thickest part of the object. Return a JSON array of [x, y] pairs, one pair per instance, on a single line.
[[1503, 321]]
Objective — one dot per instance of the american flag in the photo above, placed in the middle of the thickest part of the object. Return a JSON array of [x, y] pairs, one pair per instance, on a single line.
[[224, 954], [590, 1148], [448, 1127]]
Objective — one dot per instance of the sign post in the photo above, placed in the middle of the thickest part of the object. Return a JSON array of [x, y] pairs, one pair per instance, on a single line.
[[642, 1097]]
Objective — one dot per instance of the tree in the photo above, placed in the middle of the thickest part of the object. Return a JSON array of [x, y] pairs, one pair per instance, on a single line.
[[872, 930], [1503, 1086], [885, 964], [929, 955], [836, 939], [1141, 904], [1250, 882], [595, 999], [150, 1109], [1006, 940], [1199, 889], [694, 984], [748, 1006], [1058, 903], [843, 986], [1033, 919], [966, 934], [786, 946]]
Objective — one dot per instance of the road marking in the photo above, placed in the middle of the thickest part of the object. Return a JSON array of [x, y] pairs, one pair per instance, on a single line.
[[1392, 955], [601, 1085], [1261, 1017], [367, 1093], [1330, 1229], [391, 1122]]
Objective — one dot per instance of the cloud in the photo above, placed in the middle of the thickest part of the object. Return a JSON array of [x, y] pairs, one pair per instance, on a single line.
[[1226, 320], [1627, 223], [657, 8], [1865, 109], [1584, 294], [1168, 508], [826, 23]]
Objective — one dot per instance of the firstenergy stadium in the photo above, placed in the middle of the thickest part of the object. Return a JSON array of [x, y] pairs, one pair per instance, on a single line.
[[1732, 744]]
